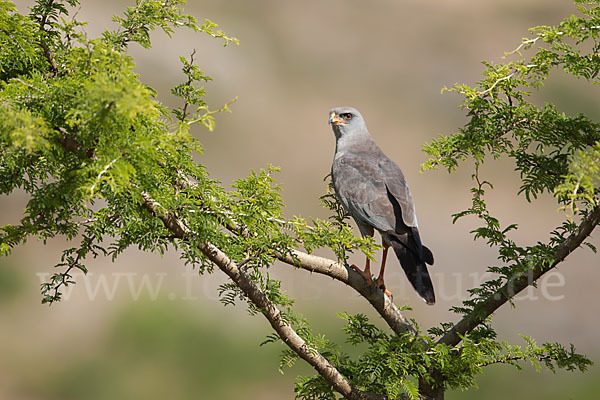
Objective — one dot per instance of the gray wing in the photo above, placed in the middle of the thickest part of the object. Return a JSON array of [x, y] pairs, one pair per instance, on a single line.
[[404, 206], [361, 187], [396, 184]]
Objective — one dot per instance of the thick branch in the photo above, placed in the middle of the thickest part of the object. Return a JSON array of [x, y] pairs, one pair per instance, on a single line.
[[517, 283], [260, 299], [382, 303]]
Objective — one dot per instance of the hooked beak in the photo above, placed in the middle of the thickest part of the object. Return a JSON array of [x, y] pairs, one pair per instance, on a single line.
[[335, 119]]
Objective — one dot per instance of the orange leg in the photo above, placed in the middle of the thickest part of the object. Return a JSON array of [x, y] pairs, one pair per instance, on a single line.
[[379, 282], [366, 274]]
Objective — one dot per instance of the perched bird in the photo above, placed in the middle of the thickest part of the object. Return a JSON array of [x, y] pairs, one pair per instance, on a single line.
[[371, 187]]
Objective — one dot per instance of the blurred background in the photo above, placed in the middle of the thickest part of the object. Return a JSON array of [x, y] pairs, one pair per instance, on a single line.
[[149, 327]]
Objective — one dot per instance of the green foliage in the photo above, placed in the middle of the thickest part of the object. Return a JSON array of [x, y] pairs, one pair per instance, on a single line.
[[20, 55], [552, 152], [88, 143], [391, 364], [335, 233], [90, 131], [581, 183], [193, 94], [146, 16]]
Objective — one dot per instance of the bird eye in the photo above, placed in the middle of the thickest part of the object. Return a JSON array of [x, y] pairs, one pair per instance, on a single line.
[[347, 116]]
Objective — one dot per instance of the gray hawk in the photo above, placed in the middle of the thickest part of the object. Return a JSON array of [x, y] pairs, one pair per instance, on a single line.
[[372, 188]]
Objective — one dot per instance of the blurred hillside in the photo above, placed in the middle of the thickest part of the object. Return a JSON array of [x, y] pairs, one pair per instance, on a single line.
[[147, 327]]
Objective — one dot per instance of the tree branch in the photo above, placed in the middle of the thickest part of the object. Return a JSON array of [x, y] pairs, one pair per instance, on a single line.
[[287, 334], [49, 57], [64, 281], [519, 282], [382, 303], [284, 330], [188, 83], [47, 52]]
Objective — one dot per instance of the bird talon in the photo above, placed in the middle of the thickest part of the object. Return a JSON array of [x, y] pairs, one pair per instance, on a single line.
[[380, 285], [365, 274]]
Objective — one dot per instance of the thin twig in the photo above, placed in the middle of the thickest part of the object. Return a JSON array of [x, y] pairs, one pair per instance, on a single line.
[[29, 85], [188, 83], [523, 44], [63, 280], [508, 360], [488, 90]]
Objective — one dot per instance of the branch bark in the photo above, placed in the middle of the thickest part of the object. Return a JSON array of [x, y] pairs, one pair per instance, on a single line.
[[287, 334], [519, 282], [49, 57], [382, 303]]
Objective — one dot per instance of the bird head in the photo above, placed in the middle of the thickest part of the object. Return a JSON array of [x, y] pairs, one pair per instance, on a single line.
[[345, 121]]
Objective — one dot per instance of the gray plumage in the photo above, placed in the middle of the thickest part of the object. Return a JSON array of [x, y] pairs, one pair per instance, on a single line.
[[372, 188]]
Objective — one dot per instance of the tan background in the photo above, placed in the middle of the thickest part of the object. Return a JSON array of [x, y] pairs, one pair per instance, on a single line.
[[296, 60]]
